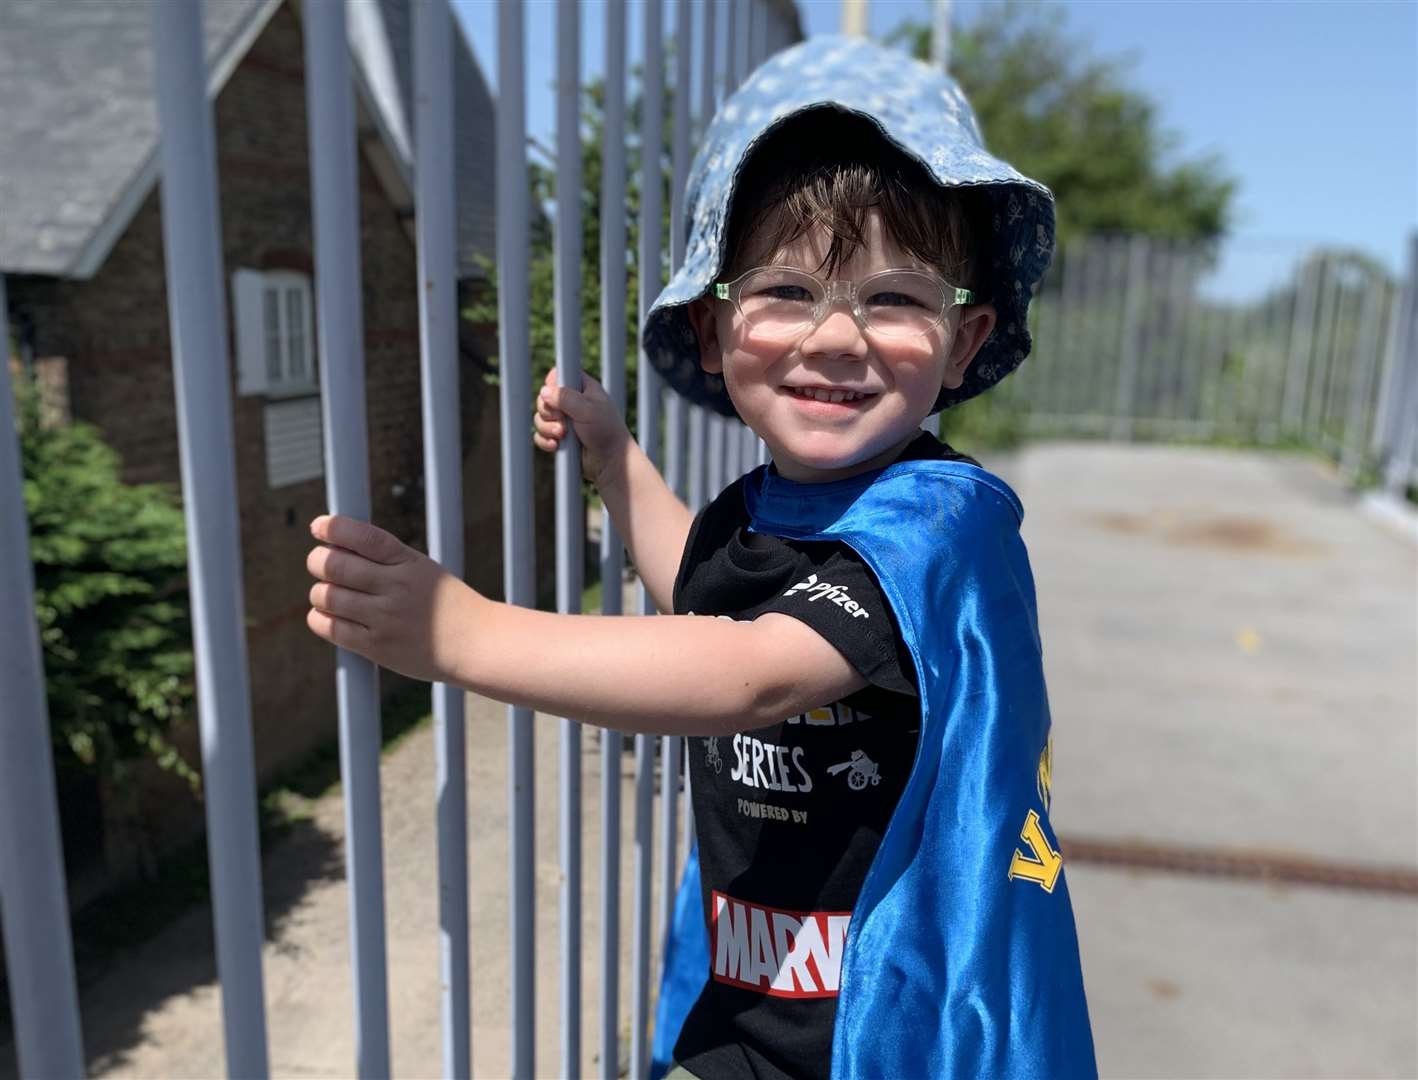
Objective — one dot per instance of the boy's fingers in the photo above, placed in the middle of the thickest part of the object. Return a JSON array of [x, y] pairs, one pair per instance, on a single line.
[[358, 536], [343, 567], [339, 632]]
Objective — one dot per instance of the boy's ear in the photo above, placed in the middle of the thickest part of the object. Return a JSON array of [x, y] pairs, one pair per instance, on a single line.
[[977, 322], [706, 329]]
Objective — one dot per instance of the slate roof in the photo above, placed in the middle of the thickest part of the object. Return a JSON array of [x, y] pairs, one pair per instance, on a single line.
[[79, 133]]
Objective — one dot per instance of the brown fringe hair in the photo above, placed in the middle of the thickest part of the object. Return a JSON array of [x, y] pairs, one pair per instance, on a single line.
[[830, 168]]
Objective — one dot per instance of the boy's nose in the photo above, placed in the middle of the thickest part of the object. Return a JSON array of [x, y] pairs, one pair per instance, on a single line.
[[836, 335]]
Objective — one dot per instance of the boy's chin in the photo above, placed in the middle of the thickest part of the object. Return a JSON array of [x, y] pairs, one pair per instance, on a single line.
[[835, 463]]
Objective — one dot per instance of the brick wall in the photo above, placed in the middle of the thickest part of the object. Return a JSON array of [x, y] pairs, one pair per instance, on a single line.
[[113, 330]]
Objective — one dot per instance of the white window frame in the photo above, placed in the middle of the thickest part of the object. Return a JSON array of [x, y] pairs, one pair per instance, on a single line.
[[275, 333]]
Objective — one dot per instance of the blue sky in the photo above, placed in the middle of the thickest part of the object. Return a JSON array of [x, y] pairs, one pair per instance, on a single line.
[[1312, 106]]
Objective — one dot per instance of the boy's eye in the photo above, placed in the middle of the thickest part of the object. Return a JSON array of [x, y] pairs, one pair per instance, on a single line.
[[894, 299], [784, 292]]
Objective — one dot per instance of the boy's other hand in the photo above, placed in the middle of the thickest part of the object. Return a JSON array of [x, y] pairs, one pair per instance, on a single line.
[[595, 419], [382, 599]]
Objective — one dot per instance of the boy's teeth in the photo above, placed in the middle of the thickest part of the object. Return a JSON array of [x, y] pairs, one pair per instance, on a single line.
[[828, 395]]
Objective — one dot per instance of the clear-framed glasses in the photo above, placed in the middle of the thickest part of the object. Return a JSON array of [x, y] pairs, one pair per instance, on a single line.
[[782, 301]]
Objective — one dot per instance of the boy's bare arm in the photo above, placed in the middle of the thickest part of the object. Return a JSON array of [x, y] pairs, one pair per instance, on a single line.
[[666, 674], [675, 674], [651, 522]]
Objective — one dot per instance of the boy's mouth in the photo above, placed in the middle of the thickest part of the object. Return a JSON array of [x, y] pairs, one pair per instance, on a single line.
[[828, 394]]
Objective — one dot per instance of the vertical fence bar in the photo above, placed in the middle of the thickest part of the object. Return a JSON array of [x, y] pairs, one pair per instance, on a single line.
[[714, 456], [1395, 345], [1278, 317], [515, 402], [570, 515], [197, 314], [34, 903], [1402, 436], [1055, 345], [707, 99], [1361, 393], [741, 53], [1323, 351], [731, 22], [442, 457], [1297, 366], [613, 288], [757, 32], [341, 334], [647, 401], [671, 746], [1341, 362]]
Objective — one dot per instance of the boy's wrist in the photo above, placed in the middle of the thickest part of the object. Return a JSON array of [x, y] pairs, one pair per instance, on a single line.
[[614, 476]]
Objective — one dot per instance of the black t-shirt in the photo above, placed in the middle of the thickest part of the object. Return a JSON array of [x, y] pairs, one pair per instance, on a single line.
[[789, 817]]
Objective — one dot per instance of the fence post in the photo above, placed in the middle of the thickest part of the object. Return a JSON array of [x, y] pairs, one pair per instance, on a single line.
[[1130, 343], [1297, 366], [1352, 439], [648, 401], [676, 463], [1402, 442], [707, 97], [515, 402], [613, 288], [570, 513], [201, 366], [341, 328], [436, 224], [34, 905]]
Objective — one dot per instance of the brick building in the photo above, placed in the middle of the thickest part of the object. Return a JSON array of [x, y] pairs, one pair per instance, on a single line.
[[82, 255]]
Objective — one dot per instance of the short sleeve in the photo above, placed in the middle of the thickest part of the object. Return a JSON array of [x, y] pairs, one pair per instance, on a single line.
[[729, 570], [833, 591]]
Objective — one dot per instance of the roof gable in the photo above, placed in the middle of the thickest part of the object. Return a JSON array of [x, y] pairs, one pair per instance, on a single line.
[[79, 129]]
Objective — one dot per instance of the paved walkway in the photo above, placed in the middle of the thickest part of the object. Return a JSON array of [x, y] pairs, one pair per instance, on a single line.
[[1231, 646], [1230, 643]]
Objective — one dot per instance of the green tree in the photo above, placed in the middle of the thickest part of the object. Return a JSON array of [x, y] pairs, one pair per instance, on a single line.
[[1069, 119], [111, 599], [541, 269]]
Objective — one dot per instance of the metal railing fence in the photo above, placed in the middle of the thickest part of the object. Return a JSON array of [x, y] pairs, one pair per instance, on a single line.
[[701, 454], [1130, 344], [1132, 341]]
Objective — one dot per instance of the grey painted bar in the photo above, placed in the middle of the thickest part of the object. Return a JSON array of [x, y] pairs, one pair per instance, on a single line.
[[340, 328], [570, 514], [515, 401], [436, 225], [197, 316], [648, 407], [613, 287], [34, 904]]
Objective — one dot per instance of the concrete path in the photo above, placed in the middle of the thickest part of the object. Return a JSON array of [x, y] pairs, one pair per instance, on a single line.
[[1230, 644], [156, 1014]]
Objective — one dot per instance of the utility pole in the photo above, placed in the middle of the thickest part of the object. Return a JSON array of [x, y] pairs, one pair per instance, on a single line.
[[940, 35], [854, 18]]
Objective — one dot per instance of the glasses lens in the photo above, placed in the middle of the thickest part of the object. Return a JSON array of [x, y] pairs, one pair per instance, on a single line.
[[902, 302], [776, 300]]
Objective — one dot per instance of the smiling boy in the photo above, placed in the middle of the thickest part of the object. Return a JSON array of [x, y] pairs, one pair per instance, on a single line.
[[875, 889]]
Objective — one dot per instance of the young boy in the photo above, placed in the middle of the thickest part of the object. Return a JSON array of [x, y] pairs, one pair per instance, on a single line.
[[875, 890]]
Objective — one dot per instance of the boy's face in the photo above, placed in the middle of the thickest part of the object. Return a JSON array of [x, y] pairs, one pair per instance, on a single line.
[[816, 441]]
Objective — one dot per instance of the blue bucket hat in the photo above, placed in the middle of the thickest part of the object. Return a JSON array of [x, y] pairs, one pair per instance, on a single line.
[[919, 111]]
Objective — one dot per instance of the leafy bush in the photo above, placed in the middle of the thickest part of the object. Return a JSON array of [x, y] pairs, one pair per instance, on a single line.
[[110, 562]]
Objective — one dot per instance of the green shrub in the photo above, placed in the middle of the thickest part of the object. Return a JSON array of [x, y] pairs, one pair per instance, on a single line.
[[111, 599]]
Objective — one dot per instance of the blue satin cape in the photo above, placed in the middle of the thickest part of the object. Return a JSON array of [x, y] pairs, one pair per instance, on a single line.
[[961, 958]]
